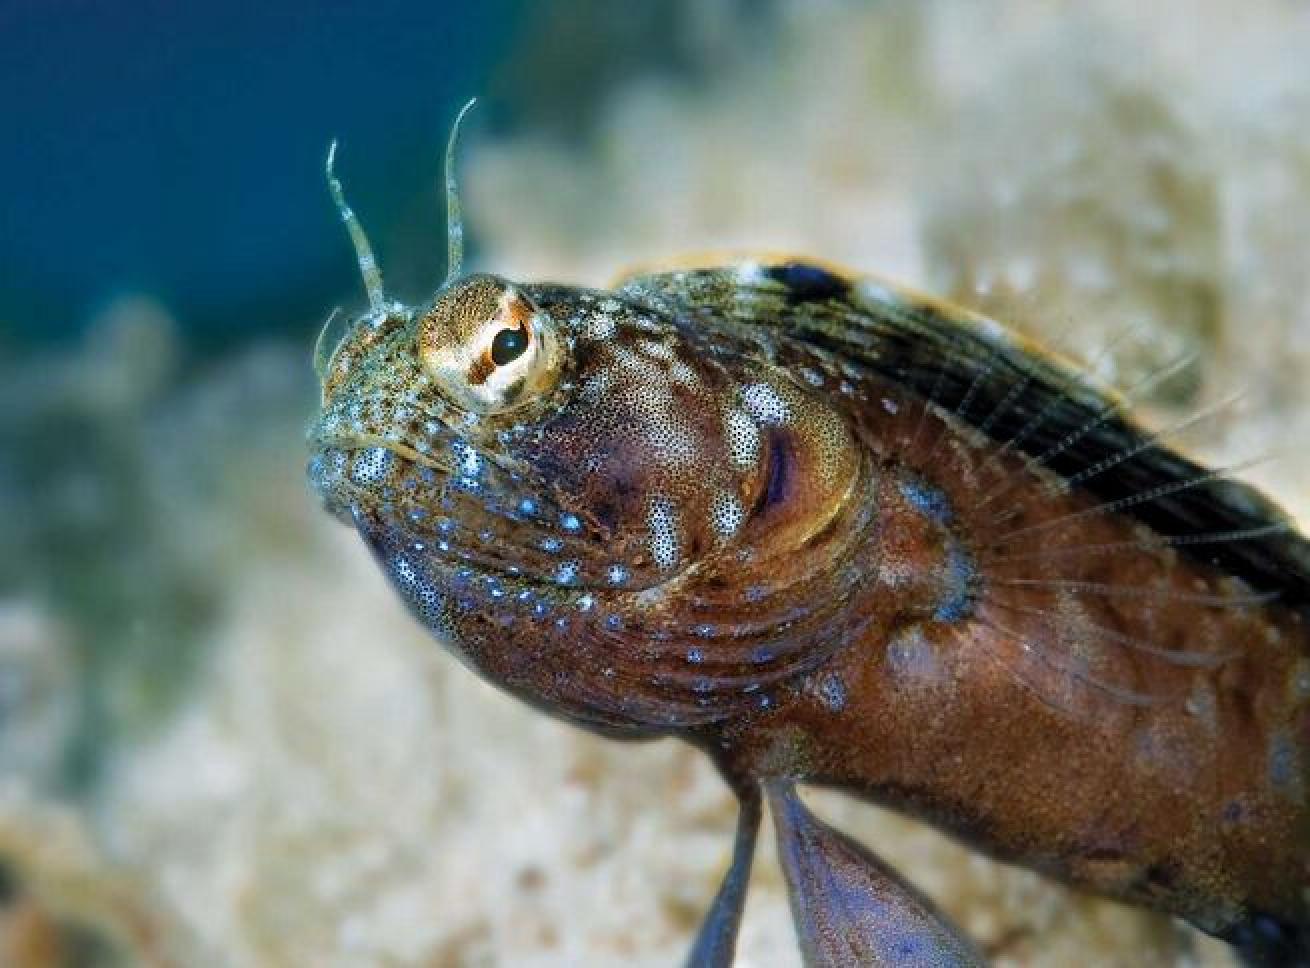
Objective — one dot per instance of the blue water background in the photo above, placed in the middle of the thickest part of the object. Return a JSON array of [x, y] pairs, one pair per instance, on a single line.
[[176, 149]]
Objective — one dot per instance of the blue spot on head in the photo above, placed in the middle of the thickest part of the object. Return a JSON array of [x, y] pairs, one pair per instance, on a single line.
[[570, 523], [695, 656], [833, 692], [926, 499], [527, 506], [958, 576]]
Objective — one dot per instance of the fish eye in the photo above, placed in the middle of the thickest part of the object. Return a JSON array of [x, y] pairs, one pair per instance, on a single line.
[[508, 346], [488, 346]]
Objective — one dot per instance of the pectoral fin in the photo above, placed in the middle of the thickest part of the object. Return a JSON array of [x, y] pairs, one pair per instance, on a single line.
[[850, 908], [717, 941]]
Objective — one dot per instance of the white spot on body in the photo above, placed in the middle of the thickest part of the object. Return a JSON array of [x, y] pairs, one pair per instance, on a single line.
[[726, 514], [665, 535], [680, 372], [764, 403], [467, 459], [404, 571], [832, 689], [876, 294], [743, 438], [371, 465], [600, 327], [994, 331], [659, 351], [912, 657]]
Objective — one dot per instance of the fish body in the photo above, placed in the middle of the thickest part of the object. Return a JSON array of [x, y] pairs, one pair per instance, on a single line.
[[836, 533]]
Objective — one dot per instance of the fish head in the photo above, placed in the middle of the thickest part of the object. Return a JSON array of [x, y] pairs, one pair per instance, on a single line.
[[547, 473]]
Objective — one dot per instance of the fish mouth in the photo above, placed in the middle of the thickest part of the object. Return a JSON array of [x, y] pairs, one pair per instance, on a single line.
[[460, 513], [349, 470]]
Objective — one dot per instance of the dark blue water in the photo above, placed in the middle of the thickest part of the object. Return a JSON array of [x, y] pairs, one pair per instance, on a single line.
[[177, 148]]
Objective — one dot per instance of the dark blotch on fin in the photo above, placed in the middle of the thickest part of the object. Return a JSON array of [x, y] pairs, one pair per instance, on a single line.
[[807, 283], [850, 908]]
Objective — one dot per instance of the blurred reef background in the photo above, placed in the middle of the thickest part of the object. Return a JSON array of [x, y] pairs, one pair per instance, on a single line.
[[222, 742]]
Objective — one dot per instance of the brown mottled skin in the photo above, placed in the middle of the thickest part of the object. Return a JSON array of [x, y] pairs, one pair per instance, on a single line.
[[835, 533], [1162, 802]]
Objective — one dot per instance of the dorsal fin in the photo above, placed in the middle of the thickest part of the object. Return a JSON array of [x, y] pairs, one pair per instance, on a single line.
[[1017, 393]]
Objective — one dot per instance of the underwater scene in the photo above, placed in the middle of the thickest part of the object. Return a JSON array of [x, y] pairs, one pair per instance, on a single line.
[[605, 408]]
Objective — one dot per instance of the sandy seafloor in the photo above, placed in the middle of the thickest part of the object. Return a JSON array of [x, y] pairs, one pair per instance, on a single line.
[[330, 789]]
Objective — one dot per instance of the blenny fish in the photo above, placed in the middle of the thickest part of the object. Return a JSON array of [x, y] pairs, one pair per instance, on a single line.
[[833, 532]]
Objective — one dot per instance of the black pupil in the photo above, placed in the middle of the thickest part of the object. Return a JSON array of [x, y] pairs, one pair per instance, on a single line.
[[508, 346]]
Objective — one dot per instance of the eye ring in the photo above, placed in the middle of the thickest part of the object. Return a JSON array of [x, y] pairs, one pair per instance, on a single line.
[[488, 346]]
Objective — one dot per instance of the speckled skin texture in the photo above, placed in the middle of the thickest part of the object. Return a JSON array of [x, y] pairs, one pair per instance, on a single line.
[[1039, 725], [832, 532]]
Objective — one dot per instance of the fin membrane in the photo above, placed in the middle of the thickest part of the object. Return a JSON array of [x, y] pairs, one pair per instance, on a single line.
[[852, 909], [716, 944]]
